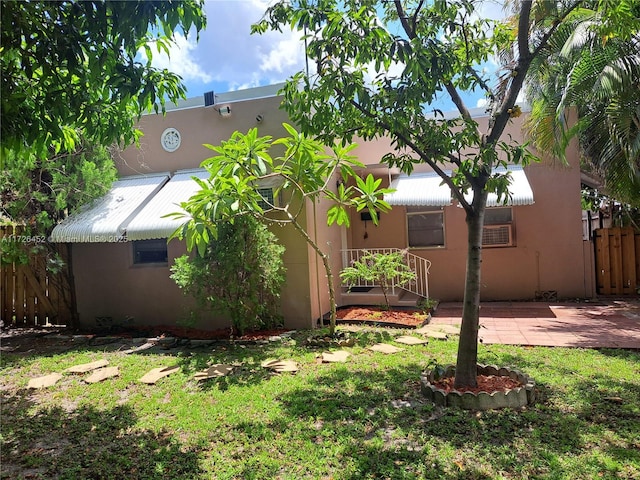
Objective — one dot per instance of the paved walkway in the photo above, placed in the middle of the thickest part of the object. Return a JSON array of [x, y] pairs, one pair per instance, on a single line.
[[601, 323]]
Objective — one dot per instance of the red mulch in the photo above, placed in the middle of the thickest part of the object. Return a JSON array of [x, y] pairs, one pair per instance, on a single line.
[[486, 383], [376, 314]]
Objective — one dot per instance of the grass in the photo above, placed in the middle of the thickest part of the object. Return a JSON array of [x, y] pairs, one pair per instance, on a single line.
[[339, 421]]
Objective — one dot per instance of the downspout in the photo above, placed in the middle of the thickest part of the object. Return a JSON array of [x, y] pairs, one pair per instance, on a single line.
[[72, 288], [538, 288]]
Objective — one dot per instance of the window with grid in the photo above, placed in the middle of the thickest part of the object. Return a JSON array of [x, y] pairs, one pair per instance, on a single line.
[[425, 226], [268, 201], [498, 228], [150, 251]]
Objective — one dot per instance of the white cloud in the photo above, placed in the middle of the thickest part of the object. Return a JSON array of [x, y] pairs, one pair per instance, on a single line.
[[482, 102], [180, 60], [491, 9], [236, 59], [283, 55]]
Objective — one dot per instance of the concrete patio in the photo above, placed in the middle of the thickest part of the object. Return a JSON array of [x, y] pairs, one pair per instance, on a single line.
[[600, 323]]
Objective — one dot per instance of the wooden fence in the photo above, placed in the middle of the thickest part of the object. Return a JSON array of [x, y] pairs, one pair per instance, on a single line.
[[617, 252], [31, 296]]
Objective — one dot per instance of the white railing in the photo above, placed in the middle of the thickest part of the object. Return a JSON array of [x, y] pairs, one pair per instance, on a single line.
[[419, 265]]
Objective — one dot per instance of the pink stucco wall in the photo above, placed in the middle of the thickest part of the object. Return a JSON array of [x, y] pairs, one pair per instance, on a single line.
[[109, 285], [549, 252]]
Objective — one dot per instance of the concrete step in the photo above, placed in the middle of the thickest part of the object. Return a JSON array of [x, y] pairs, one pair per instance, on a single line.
[[375, 296], [409, 299]]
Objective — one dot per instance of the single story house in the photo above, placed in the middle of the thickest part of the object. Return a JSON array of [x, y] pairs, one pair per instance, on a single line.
[[534, 246]]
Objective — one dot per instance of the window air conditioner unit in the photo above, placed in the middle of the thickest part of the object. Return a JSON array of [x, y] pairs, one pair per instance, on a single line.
[[497, 236]]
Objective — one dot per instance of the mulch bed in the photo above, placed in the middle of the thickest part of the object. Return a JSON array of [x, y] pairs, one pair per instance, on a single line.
[[486, 383], [409, 318]]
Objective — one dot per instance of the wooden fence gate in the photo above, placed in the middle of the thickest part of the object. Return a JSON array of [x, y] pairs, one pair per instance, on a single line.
[[617, 252], [31, 296]]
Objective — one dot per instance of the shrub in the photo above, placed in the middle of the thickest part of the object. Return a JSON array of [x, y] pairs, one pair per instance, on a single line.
[[240, 275], [386, 270]]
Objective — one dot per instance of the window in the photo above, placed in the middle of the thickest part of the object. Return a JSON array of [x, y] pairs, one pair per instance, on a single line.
[[150, 251], [425, 226], [269, 201], [498, 228]]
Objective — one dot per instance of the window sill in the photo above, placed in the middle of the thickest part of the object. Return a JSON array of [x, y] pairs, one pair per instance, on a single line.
[[151, 265]]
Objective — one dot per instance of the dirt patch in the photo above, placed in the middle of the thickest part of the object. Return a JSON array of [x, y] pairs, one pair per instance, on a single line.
[[221, 334], [376, 315], [26, 341]]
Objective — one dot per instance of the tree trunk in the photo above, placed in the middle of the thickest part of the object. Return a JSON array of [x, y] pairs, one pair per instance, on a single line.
[[466, 366], [327, 268]]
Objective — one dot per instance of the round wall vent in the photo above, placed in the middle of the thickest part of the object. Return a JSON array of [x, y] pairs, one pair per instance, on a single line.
[[170, 139]]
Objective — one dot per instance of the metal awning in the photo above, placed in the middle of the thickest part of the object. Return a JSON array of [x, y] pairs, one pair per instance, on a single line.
[[421, 189], [105, 219], [427, 189], [520, 192], [150, 223]]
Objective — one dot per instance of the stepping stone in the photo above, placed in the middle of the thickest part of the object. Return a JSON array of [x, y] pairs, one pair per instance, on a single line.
[[102, 374], [446, 328], [410, 340], [339, 356], [46, 381], [385, 348], [280, 366], [87, 367], [140, 348], [214, 371], [156, 374], [435, 334]]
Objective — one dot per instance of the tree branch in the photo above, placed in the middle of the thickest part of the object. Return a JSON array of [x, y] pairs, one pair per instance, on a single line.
[[482, 83], [414, 19], [407, 141], [457, 100], [404, 19], [525, 59]]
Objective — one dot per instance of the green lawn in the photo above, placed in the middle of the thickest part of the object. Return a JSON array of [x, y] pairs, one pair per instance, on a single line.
[[340, 421]]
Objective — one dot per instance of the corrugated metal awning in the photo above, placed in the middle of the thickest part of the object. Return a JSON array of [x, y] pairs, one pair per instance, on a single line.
[[520, 192], [423, 189], [428, 190], [105, 219], [149, 222]]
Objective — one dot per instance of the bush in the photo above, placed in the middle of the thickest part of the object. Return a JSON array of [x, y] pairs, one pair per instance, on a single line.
[[387, 270], [240, 275]]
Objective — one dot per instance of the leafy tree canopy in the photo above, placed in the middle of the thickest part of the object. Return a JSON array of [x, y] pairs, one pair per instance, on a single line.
[[593, 65], [72, 68], [38, 193]]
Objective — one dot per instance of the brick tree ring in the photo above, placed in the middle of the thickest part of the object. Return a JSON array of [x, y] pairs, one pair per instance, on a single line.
[[438, 389]]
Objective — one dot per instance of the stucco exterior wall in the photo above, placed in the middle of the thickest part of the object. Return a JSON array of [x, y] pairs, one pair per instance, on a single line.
[[549, 254], [111, 290], [330, 241], [197, 126], [108, 285]]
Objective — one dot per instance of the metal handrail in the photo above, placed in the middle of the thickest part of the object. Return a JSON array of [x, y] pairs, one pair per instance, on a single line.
[[419, 265]]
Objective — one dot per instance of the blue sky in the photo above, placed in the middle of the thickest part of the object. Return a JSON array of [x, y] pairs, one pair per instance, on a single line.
[[227, 57]]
